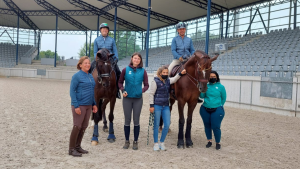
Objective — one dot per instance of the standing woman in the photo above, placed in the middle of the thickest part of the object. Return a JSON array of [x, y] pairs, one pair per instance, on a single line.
[[212, 110], [159, 103], [134, 75], [82, 102]]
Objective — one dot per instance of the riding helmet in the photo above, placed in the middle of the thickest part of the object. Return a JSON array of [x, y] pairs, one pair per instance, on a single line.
[[180, 25], [104, 25]]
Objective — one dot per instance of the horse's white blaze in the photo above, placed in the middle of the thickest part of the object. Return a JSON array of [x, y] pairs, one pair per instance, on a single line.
[[203, 71]]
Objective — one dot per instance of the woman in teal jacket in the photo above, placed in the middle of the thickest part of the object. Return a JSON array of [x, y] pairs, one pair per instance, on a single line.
[[212, 110]]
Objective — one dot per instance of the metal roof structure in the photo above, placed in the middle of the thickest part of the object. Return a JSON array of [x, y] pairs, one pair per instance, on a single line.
[[82, 15]]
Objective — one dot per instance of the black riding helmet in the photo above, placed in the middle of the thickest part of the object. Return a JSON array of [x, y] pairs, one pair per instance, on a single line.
[[180, 25], [104, 25], [217, 75]]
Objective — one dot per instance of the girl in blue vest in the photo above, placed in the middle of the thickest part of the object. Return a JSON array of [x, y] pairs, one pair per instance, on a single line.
[[212, 110], [159, 103], [134, 75]]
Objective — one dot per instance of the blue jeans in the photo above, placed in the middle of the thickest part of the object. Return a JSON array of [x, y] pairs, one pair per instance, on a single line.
[[163, 111], [212, 122]]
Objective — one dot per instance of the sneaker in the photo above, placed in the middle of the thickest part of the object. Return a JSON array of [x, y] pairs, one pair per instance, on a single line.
[[135, 145], [208, 144], [162, 146], [156, 147], [218, 146], [126, 145]]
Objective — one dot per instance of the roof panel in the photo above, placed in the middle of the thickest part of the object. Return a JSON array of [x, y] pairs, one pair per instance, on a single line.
[[28, 5], [173, 8]]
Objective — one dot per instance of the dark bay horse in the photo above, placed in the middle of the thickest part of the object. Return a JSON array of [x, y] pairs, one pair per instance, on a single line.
[[187, 90], [105, 91]]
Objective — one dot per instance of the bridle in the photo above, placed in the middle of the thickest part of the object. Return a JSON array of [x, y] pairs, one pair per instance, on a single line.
[[102, 75], [198, 71]]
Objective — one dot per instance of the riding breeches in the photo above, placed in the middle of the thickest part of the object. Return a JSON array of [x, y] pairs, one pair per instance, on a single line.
[[174, 63], [82, 120], [132, 106]]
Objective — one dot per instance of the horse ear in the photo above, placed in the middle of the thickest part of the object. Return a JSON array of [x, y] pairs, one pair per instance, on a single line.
[[111, 55], [214, 58], [98, 54]]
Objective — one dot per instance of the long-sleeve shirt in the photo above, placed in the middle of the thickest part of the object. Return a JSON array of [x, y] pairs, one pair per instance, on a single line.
[[82, 89], [153, 88], [215, 95], [108, 43], [182, 47]]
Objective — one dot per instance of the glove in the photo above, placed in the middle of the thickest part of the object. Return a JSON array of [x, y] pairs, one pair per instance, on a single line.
[[180, 59]]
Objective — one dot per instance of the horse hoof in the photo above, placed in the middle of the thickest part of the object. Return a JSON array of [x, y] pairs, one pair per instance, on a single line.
[[105, 129], [111, 140], [180, 146], [94, 143], [189, 146]]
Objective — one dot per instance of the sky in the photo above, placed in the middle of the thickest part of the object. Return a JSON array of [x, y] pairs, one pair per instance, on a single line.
[[67, 45]]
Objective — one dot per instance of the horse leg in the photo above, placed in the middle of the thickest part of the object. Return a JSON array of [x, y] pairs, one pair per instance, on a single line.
[[172, 101], [105, 128], [111, 135], [188, 139], [97, 118], [180, 142]]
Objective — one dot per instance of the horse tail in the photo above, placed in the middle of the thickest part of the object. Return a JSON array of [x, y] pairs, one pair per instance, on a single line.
[[98, 116]]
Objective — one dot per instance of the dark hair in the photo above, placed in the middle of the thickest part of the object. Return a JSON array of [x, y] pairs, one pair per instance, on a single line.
[[139, 55], [214, 72]]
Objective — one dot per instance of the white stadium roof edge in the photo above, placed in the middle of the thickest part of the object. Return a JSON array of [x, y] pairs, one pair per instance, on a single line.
[[82, 15]]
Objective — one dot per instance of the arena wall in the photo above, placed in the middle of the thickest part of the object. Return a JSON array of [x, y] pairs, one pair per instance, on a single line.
[[242, 91]]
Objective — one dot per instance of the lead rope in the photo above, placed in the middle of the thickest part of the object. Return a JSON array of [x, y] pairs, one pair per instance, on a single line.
[[151, 123]]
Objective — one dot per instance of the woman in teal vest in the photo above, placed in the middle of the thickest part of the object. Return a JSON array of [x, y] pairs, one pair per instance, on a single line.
[[212, 110], [134, 75]]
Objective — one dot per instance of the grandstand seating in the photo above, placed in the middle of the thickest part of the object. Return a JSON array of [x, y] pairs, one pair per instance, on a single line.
[[8, 53], [276, 54]]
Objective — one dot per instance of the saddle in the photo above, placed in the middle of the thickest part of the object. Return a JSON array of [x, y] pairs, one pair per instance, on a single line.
[[176, 69]]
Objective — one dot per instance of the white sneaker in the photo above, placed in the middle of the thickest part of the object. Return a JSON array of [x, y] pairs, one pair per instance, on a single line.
[[156, 147], [162, 146]]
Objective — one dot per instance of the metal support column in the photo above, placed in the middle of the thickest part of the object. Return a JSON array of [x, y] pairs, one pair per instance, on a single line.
[[86, 43], [267, 31], [115, 23], [251, 22], [269, 16], [17, 46], [227, 21], [134, 41], [295, 14], [90, 44], [157, 38], [166, 36], [55, 40], [39, 41], [98, 26], [207, 26], [148, 29], [142, 40], [222, 27]]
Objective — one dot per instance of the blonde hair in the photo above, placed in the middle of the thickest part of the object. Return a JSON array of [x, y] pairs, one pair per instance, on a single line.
[[159, 71], [81, 61]]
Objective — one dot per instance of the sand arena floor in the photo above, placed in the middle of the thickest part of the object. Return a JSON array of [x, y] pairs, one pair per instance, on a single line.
[[36, 121]]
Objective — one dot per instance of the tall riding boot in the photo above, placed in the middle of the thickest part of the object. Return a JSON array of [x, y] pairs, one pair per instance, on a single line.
[[78, 143], [118, 73], [73, 140]]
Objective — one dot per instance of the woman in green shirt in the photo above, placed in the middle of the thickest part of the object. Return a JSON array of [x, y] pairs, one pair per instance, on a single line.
[[212, 111]]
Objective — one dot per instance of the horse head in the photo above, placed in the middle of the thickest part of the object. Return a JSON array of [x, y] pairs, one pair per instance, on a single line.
[[104, 66], [203, 69]]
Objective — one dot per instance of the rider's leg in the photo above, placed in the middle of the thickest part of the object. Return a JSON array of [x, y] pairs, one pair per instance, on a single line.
[[174, 63]]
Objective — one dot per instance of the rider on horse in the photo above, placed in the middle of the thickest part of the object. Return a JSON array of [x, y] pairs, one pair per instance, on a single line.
[[104, 41], [182, 47]]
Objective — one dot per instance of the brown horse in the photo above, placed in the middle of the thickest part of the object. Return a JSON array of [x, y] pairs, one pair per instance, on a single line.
[[105, 91], [187, 90]]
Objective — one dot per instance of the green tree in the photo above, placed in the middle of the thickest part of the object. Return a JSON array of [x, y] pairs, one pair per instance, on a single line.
[[202, 35], [48, 54], [123, 37]]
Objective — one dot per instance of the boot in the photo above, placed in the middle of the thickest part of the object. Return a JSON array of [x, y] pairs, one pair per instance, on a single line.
[[135, 145], [78, 143], [73, 140]]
